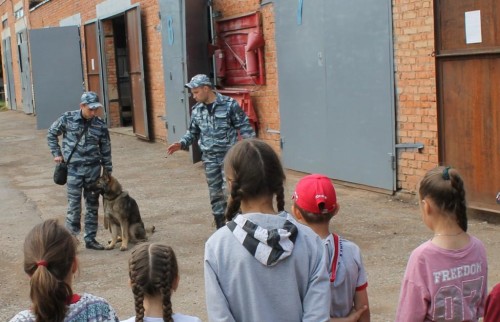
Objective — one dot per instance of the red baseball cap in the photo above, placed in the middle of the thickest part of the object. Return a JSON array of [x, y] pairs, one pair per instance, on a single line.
[[313, 190]]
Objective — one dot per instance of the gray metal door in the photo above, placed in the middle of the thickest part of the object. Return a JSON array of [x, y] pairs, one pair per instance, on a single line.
[[56, 65], [24, 66], [335, 65], [9, 75], [185, 39], [176, 111]]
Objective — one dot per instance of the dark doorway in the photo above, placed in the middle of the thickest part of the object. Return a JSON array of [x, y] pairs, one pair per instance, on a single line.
[[122, 71]]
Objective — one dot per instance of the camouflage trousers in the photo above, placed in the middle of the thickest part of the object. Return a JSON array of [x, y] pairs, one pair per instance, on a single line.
[[79, 178], [214, 172]]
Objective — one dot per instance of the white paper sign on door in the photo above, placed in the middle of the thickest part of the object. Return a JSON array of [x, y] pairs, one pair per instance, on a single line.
[[473, 27]]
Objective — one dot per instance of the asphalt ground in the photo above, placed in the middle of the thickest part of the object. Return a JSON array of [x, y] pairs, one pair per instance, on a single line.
[[172, 195]]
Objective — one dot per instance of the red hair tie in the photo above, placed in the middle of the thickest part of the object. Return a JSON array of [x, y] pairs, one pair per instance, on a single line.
[[41, 263]]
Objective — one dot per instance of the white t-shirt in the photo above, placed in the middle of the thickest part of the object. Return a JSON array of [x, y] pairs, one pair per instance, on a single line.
[[176, 316], [349, 273]]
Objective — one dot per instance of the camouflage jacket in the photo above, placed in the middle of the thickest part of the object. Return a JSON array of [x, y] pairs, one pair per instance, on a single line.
[[217, 131], [94, 147]]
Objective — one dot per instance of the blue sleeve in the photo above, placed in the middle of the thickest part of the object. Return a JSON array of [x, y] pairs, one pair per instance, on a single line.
[[317, 299], [240, 121], [193, 132], [217, 304], [55, 130]]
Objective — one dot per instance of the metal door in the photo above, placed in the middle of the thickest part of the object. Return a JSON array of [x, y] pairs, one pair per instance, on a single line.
[[185, 39], [93, 59], [468, 60], [56, 65], [24, 67], [336, 89], [9, 79], [176, 105], [136, 71]]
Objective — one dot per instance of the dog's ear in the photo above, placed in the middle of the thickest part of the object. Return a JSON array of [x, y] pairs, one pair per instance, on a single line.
[[105, 173]]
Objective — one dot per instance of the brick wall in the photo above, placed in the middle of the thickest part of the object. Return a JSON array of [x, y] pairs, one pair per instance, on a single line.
[[265, 98], [415, 81], [416, 108]]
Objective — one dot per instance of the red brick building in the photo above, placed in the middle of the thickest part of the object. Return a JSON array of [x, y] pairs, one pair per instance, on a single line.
[[422, 65]]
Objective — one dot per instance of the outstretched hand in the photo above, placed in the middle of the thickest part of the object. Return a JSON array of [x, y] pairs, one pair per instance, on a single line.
[[173, 148]]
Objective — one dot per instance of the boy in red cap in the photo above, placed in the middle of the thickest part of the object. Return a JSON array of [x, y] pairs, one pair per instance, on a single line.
[[315, 203]]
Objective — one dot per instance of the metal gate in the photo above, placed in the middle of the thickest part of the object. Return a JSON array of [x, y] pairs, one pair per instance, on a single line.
[[9, 83], [185, 29], [336, 89], [24, 67], [136, 71], [177, 113], [56, 65]]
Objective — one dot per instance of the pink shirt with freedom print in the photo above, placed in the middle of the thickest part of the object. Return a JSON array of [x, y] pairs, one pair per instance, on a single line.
[[444, 285]]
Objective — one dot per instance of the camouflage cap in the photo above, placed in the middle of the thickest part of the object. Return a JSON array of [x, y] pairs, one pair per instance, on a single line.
[[91, 99], [199, 80]]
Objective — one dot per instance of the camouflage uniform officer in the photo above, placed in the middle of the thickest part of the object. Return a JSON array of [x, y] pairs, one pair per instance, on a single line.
[[215, 122], [92, 152]]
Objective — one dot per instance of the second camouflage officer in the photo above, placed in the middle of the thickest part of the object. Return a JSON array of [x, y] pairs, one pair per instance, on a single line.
[[215, 122]]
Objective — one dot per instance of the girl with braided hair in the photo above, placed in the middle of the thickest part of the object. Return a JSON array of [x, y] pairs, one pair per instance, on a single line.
[[263, 265], [154, 276], [50, 262], [446, 277]]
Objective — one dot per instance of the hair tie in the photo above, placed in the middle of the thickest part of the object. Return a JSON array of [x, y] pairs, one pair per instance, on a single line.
[[41, 263], [446, 173]]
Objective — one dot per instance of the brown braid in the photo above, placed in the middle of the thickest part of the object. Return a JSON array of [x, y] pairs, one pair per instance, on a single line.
[[49, 255], [253, 169], [136, 289], [234, 201], [460, 203], [153, 270], [280, 198], [166, 278], [445, 187]]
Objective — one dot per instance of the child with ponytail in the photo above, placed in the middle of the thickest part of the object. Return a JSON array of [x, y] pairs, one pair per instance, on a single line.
[[446, 277], [154, 276], [50, 262], [263, 265]]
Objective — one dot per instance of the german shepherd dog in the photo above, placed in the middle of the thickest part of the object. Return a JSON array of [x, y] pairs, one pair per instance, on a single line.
[[121, 212]]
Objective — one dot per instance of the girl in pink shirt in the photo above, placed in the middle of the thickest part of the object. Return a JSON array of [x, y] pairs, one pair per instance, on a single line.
[[446, 277]]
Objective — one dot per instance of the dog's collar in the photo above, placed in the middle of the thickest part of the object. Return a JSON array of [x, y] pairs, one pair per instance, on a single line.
[[115, 196]]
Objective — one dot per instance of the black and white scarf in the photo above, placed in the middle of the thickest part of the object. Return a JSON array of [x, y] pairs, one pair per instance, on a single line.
[[267, 246]]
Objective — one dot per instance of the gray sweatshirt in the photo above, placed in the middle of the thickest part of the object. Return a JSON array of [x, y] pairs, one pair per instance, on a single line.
[[248, 279]]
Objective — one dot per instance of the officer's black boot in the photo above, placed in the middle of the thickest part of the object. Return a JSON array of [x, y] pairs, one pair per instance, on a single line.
[[219, 221]]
